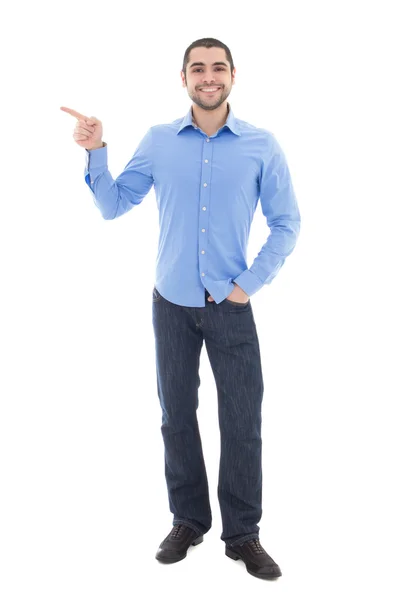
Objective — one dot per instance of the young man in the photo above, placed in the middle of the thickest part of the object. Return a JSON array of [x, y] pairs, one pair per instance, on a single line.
[[209, 169]]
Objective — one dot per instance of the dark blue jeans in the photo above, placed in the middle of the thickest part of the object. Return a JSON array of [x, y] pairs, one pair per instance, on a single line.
[[231, 340]]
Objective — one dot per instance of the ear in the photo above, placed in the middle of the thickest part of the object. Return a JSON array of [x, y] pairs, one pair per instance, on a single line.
[[183, 79]]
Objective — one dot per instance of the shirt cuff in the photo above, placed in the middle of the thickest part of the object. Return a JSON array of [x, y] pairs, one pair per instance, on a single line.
[[96, 158], [249, 282]]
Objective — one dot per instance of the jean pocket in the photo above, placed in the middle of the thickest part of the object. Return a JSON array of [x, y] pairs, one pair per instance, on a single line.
[[237, 303], [156, 294]]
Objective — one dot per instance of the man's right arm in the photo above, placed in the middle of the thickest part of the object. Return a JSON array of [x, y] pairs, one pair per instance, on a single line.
[[115, 197]]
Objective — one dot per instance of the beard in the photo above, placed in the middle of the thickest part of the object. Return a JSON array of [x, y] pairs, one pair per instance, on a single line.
[[210, 103]]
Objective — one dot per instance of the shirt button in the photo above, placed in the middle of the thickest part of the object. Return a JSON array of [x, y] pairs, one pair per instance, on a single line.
[[203, 230], [202, 274], [204, 208], [206, 160], [91, 181], [202, 251], [207, 140], [205, 185]]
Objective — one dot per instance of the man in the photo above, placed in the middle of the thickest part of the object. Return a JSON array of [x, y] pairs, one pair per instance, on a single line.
[[209, 169]]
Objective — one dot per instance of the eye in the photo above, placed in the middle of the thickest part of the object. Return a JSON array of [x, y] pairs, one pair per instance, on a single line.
[[218, 69]]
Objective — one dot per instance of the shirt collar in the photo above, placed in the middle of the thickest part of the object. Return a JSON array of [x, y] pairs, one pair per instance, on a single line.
[[230, 121]]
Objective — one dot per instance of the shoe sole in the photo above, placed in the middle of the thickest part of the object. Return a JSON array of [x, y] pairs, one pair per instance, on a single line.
[[235, 556], [195, 542]]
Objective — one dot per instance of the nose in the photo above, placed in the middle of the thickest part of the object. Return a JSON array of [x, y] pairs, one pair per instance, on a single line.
[[207, 81]]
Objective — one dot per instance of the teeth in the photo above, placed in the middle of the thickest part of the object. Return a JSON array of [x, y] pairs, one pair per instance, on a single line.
[[210, 89]]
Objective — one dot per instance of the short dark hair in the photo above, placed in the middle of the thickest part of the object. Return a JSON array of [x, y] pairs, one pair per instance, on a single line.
[[207, 43]]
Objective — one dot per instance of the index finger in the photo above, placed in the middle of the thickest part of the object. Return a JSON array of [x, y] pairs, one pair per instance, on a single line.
[[74, 113]]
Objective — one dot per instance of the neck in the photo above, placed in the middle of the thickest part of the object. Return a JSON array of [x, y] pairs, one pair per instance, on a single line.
[[210, 121]]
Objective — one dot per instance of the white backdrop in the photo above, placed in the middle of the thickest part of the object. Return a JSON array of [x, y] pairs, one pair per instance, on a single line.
[[83, 503]]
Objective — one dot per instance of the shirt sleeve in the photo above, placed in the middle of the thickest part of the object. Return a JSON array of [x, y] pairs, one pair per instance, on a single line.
[[115, 197], [279, 206]]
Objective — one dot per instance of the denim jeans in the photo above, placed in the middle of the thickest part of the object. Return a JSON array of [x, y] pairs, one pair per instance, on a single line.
[[231, 340]]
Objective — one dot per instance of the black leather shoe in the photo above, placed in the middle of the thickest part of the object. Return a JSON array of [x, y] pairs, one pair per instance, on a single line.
[[176, 544], [257, 561]]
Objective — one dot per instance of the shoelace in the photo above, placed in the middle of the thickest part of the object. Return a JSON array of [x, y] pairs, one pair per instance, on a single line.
[[256, 546], [177, 531]]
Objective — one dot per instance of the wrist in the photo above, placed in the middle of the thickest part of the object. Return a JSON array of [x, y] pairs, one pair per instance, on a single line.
[[97, 147]]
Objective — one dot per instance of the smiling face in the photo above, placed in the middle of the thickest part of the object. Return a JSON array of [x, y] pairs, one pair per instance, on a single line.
[[208, 77]]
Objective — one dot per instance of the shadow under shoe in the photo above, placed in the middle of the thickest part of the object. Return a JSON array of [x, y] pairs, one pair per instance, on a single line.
[[177, 542], [257, 561]]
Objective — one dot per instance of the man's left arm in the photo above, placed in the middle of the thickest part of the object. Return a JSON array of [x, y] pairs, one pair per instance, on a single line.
[[279, 206]]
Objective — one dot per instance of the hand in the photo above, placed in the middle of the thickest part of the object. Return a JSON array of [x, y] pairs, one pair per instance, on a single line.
[[88, 130], [237, 295]]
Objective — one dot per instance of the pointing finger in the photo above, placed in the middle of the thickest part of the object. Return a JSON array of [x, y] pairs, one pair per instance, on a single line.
[[74, 113]]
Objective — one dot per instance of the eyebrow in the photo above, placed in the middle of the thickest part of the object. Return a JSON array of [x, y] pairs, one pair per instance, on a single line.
[[201, 64]]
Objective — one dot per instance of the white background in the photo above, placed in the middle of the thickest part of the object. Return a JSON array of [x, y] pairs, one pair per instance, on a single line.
[[83, 504]]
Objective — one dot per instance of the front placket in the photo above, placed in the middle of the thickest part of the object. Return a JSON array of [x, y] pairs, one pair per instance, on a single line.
[[205, 191]]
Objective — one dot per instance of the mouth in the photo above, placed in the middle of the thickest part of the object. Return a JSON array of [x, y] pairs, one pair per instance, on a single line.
[[210, 90]]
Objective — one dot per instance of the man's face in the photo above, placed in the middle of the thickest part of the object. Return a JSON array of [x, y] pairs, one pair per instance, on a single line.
[[208, 75]]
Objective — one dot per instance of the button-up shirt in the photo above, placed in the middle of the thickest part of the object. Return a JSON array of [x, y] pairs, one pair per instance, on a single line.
[[207, 189]]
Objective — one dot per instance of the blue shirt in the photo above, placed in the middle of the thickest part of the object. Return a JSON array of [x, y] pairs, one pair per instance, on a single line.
[[207, 190]]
